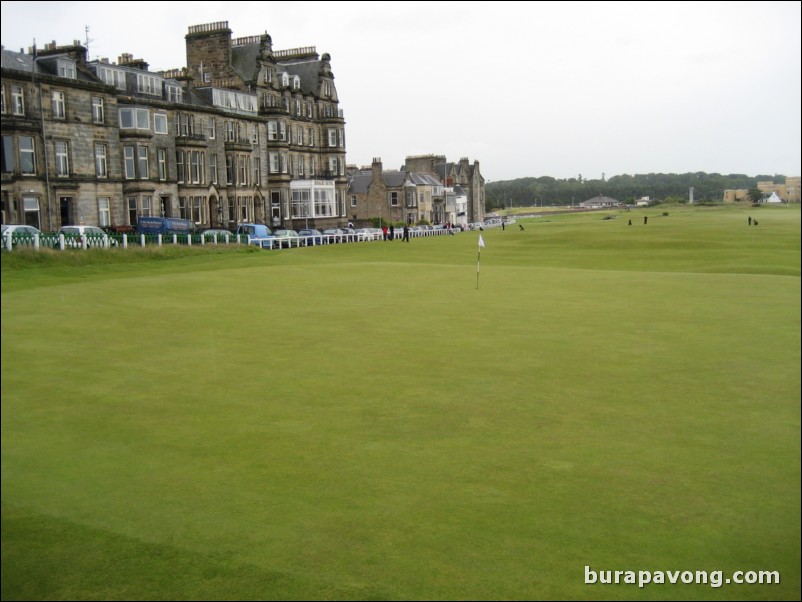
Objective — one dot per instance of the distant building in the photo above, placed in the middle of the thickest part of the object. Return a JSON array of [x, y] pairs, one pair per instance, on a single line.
[[426, 189], [600, 202], [787, 192]]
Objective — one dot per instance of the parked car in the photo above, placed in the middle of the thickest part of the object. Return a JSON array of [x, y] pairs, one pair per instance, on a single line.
[[333, 235], [369, 233], [287, 238], [75, 235], [310, 236], [258, 234], [218, 235], [20, 234]]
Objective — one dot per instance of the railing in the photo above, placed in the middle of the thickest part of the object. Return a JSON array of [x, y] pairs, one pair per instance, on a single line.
[[61, 242]]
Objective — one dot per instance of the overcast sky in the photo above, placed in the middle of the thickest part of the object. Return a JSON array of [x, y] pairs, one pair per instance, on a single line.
[[526, 88]]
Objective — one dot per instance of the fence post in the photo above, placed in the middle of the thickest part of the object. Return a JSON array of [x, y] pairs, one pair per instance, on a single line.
[[125, 240], [36, 241]]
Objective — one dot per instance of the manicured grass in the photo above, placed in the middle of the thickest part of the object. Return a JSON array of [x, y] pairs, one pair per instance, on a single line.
[[360, 422]]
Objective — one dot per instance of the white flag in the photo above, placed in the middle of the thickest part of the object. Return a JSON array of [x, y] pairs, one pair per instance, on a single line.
[[481, 242]]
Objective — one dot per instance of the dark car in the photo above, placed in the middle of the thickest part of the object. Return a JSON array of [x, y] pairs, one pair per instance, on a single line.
[[310, 236]]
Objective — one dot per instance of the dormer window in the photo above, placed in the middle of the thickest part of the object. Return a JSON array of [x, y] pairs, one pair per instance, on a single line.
[[326, 88], [285, 79], [267, 75], [66, 69], [296, 83]]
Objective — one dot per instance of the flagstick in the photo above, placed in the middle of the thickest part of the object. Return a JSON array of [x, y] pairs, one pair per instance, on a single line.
[[478, 257]]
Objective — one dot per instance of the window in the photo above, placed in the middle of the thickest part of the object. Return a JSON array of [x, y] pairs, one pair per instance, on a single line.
[[285, 79], [309, 109], [325, 204], [131, 119], [101, 167], [311, 133], [31, 206], [394, 199], [132, 212], [17, 100], [58, 105], [143, 162], [130, 162], [272, 130], [296, 83], [98, 111], [301, 166], [146, 206], [197, 216], [103, 212], [112, 77], [213, 168], [229, 169], [161, 159], [274, 164], [8, 154], [353, 200], [257, 171], [298, 107], [212, 130], [300, 206], [66, 69], [160, 123], [182, 207], [179, 165], [148, 84], [62, 159], [196, 167], [27, 155], [3, 100], [326, 88], [242, 170], [332, 138], [174, 93]]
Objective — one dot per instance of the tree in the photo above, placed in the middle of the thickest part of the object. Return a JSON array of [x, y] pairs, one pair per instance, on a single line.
[[755, 195]]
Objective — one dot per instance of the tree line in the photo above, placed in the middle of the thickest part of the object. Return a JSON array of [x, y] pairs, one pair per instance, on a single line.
[[545, 190]]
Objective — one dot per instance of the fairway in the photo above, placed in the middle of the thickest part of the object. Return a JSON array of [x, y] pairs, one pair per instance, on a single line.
[[363, 422]]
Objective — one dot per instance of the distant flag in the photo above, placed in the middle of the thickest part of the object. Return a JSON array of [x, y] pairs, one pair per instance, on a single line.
[[478, 258]]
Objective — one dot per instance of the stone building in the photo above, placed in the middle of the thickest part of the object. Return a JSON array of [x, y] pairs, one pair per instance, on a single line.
[[426, 189], [242, 133]]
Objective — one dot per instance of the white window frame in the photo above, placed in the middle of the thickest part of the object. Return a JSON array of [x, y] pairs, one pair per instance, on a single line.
[[66, 68], [59, 105], [103, 211], [29, 153], [129, 161], [139, 119], [161, 159], [17, 100], [98, 110], [159, 123], [62, 157], [101, 161]]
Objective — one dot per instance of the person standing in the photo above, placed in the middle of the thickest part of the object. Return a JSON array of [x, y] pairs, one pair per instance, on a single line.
[[392, 232], [384, 232], [406, 233]]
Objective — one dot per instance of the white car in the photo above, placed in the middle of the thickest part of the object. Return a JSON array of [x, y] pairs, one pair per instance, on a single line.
[[20, 234], [74, 236]]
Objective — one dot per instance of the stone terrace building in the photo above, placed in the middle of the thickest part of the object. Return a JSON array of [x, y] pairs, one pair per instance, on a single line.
[[244, 133], [417, 193]]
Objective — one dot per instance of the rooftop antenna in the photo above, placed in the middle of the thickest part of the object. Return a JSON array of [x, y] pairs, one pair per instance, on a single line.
[[86, 36]]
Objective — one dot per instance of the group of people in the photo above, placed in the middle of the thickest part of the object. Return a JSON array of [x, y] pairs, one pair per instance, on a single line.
[[389, 232]]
